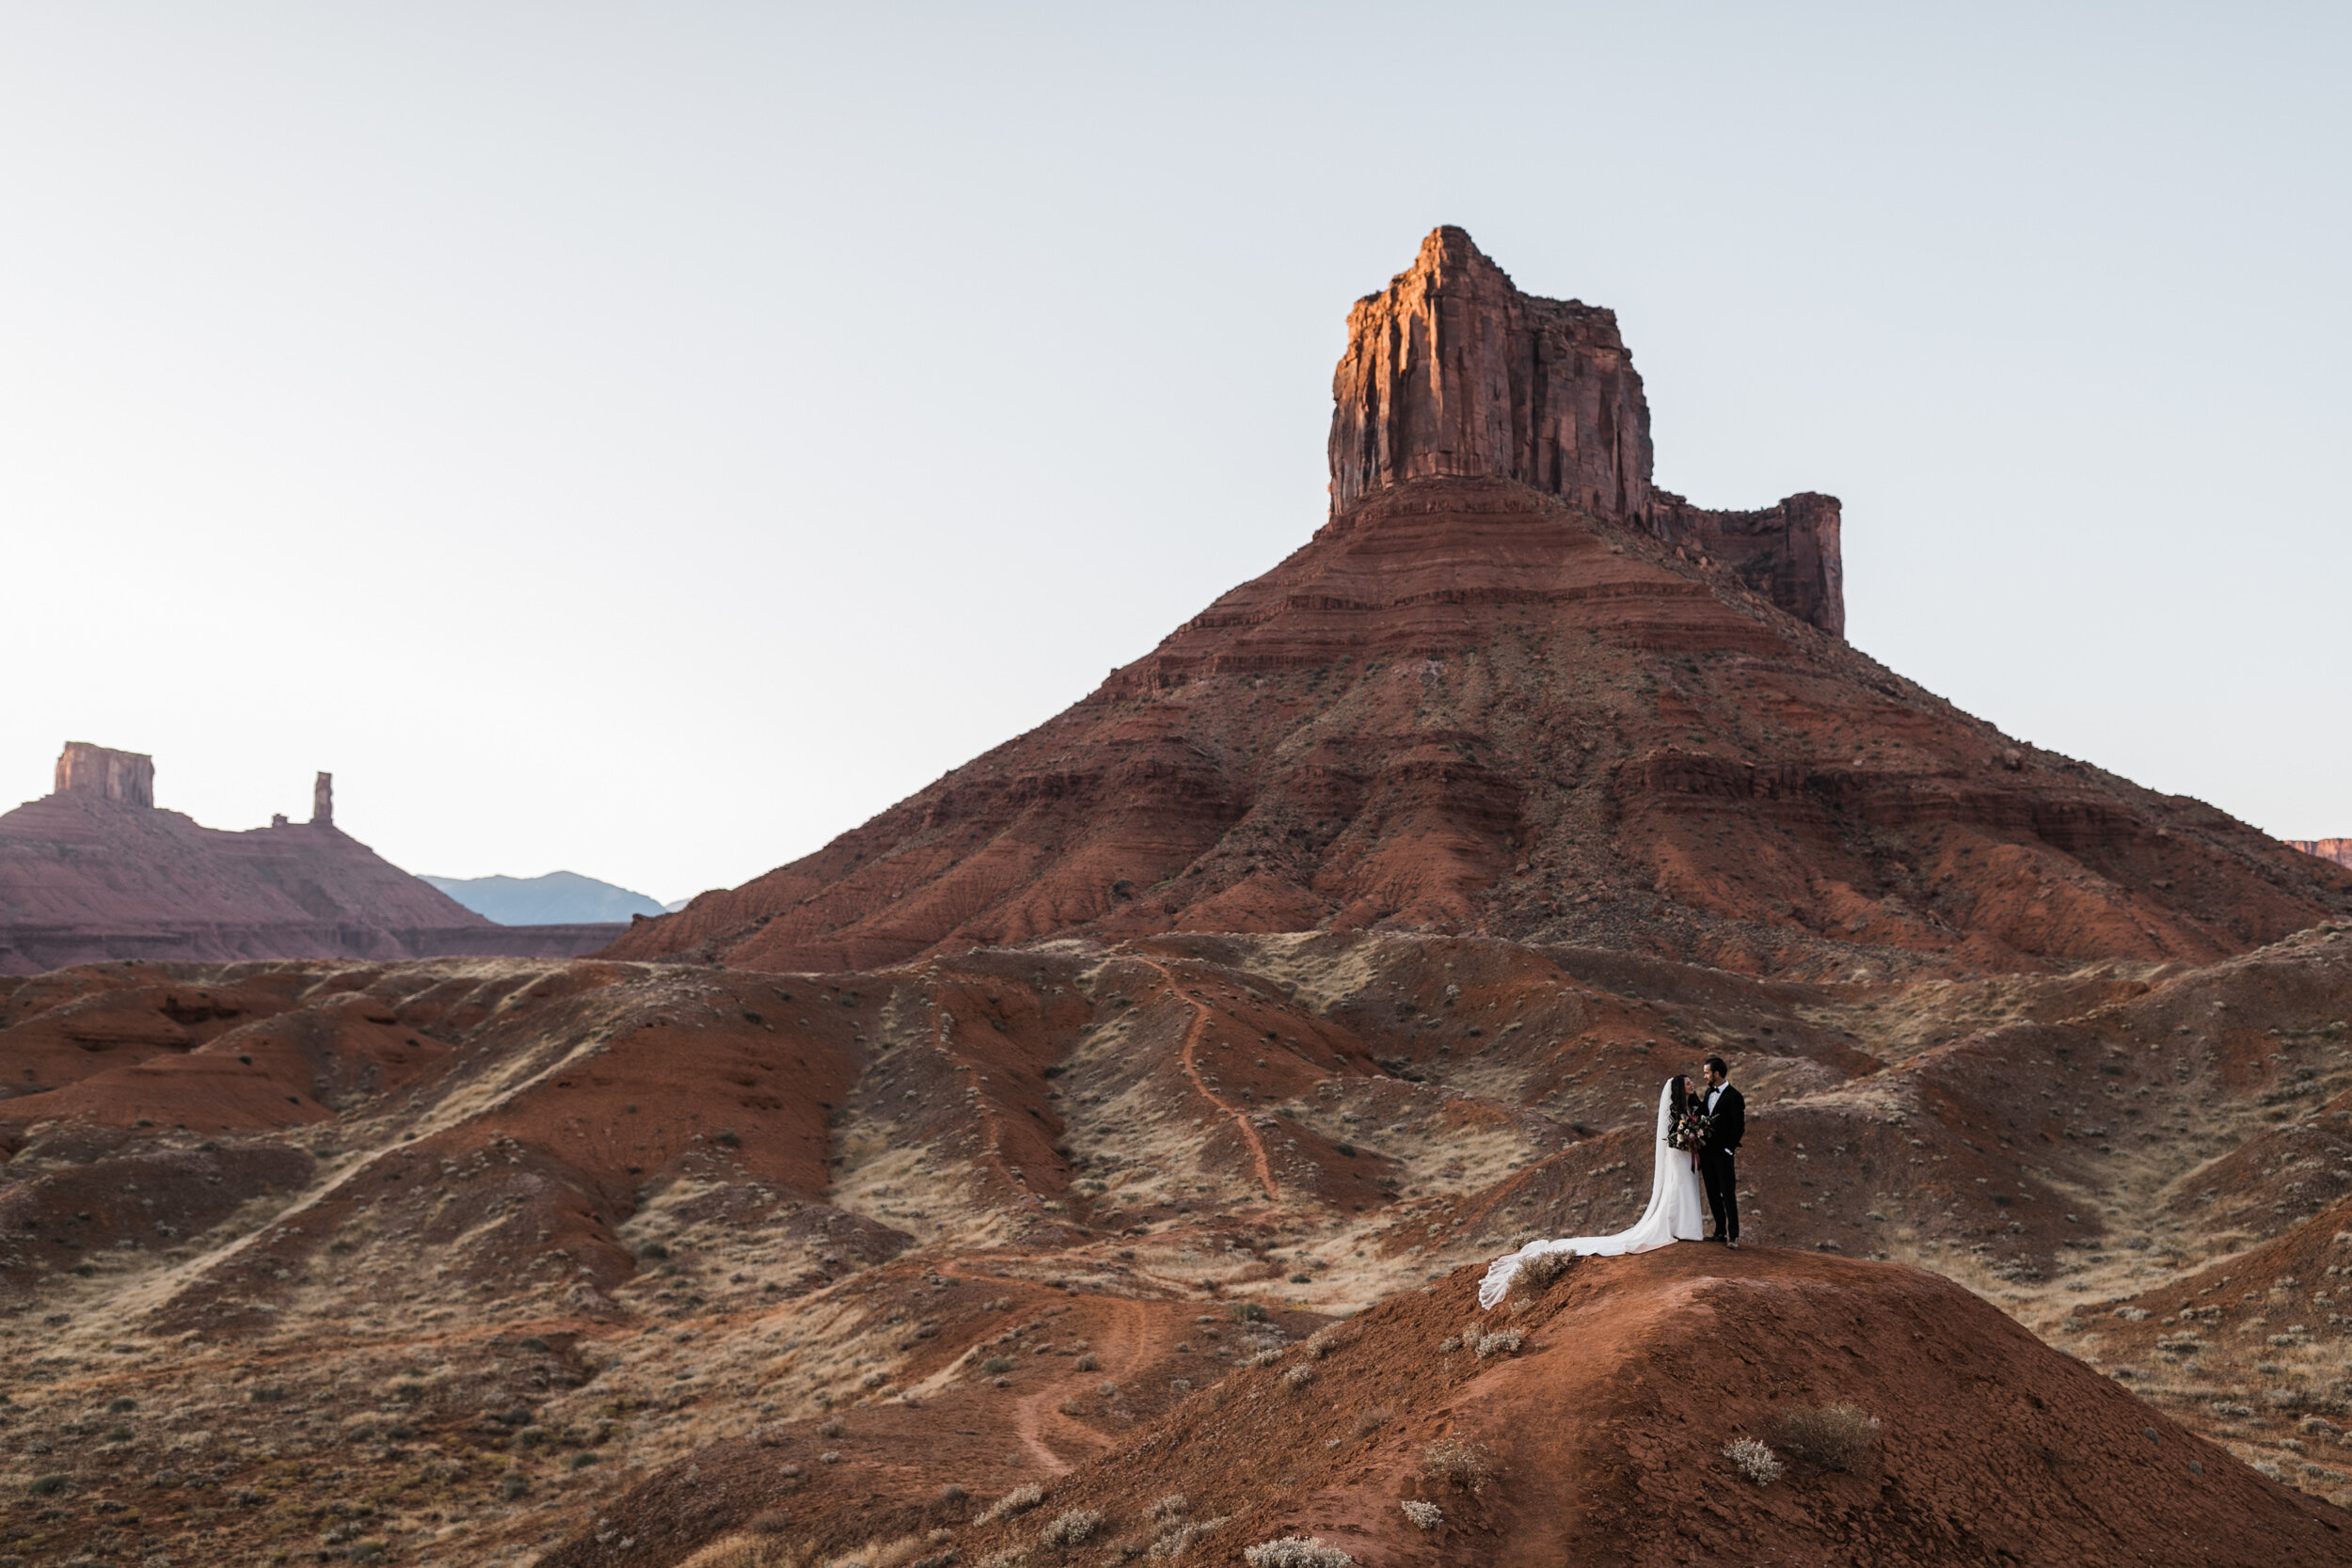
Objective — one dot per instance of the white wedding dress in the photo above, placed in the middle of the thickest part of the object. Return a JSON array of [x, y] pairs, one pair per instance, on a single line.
[[1676, 1212]]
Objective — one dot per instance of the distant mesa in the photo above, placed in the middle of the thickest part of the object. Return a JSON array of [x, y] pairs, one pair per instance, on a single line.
[[97, 871], [1512, 689], [560, 898], [2336, 849]]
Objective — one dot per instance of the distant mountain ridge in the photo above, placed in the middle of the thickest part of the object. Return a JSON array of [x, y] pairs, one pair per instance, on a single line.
[[95, 871], [558, 898], [2336, 849]]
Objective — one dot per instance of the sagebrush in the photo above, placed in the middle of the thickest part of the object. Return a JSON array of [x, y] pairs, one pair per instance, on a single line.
[[1019, 1501], [1457, 1462], [1834, 1437], [1296, 1551], [1073, 1529], [1752, 1460], [1540, 1271]]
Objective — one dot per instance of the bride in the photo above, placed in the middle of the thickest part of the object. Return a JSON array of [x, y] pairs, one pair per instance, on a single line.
[[1675, 1211]]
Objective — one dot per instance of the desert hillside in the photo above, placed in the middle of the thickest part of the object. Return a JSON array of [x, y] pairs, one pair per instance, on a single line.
[[462, 1257]]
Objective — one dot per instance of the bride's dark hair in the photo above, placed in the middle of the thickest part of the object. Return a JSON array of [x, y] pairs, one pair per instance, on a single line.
[[1680, 1097]]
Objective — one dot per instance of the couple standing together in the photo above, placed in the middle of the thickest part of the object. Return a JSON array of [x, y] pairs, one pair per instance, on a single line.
[[1678, 1171]]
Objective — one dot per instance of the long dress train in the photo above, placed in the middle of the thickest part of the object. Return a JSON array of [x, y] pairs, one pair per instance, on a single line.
[[1676, 1212]]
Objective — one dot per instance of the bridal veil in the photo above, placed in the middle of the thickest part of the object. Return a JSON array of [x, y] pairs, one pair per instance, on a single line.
[[1675, 1214]]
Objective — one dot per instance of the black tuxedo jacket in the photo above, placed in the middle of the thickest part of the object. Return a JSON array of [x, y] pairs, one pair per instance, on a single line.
[[1731, 1121]]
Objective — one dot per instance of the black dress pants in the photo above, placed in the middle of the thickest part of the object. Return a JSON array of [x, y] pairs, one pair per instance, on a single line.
[[1719, 1170]]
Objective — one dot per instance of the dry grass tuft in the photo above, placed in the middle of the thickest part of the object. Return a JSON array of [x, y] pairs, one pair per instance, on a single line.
[[1540, 1273], [1175, 1537], [1073, 1529], [1461, 1465], [1752, 1460], [1019, 1501], [1296, 1551], [740, 1551], [1835, 1436]]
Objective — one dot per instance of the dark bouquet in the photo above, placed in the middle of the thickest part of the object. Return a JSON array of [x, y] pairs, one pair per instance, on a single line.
[[1689, 1130]]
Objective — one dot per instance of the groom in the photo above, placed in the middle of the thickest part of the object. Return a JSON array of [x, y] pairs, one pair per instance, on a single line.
[[1717, 1167]]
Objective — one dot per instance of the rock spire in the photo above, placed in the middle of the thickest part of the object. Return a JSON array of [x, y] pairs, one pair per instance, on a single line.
[[1453, 371]]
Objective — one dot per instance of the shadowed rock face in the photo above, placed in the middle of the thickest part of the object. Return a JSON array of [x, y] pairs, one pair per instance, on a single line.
[[1451, 371]]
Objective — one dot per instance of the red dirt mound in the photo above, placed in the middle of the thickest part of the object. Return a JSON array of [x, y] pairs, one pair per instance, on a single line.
[[1590, 1426]]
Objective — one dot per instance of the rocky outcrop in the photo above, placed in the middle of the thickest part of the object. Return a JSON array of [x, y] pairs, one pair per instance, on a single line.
[[2336, 849], [125, 777], [323, 800], [1453, 371]]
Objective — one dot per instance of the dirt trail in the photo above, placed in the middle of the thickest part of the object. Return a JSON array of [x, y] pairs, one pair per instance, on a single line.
[[1128, 1341], [1201, 1015]]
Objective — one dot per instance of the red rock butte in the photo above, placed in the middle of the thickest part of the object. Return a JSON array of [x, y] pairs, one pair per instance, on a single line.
[[2336, 849], [95, 871], [1510, 688]]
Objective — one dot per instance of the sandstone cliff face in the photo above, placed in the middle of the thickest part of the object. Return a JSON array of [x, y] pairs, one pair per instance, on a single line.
[[2336, 849], [128, 777], [1451, 371]]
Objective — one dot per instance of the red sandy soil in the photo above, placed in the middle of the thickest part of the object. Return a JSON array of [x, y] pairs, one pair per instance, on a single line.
[[1602, 1430], [454, 1258], [1463, 707]]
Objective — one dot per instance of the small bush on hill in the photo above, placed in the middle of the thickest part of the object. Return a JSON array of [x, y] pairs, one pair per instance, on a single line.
[[1073, 1529], [1461, 1465], [1019, 1501], [1539, 1272], [1752, 1460], [1296, 1551], [1835, 1436]]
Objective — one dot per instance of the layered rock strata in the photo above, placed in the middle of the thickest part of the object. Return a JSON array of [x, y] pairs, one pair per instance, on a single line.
[[1453, 371], [1465, 706]]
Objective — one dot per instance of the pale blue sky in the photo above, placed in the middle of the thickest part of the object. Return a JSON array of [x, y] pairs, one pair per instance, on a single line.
[[650, 440]]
